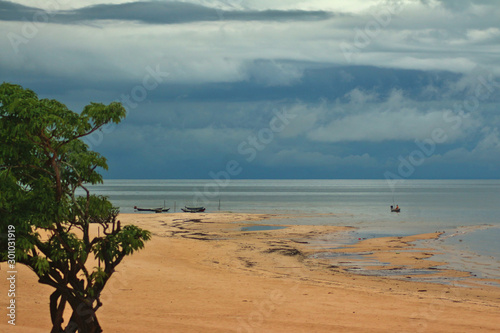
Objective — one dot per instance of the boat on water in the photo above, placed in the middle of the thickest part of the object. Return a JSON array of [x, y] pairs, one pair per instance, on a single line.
[[193, 209], [395, 210], [156, 210]]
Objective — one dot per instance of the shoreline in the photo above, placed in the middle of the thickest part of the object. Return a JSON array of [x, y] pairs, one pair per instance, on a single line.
[[201, 272]]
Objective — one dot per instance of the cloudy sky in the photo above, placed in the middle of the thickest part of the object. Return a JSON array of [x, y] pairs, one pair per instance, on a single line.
[[285, 89]]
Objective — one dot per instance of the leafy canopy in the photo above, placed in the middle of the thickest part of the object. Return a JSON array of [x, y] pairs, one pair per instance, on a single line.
[[43, 162]]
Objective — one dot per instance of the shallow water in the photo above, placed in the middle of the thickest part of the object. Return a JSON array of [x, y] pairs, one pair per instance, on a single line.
[[473, 249], [467, 209]]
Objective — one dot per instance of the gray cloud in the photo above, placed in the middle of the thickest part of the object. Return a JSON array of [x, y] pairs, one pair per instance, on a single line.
[[228, 70], [10, 11], [461, 5], [154, 12]]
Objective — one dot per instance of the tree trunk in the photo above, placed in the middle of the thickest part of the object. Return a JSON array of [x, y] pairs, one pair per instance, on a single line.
[[83, 319], [57, 311]]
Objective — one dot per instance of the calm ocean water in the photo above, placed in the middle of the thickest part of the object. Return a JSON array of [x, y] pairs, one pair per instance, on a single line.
[[468, 210]]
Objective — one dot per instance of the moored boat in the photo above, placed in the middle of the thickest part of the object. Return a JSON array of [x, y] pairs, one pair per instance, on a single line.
[[156, 210], [193, 209]]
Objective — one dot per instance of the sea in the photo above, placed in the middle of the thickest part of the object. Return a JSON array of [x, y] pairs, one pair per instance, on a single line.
[[468, 211]]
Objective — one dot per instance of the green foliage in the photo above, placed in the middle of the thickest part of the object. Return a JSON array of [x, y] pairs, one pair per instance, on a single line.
[[41, 265], [43, 162]]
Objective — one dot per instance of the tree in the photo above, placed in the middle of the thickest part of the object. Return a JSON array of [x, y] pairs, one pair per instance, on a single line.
[[43, 162]]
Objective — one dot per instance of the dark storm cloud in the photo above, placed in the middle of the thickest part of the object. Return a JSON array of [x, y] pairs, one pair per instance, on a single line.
[[10, 11], [158, 13], [358, 108]]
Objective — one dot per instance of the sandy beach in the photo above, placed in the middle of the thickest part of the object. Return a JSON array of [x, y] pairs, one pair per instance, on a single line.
[[202, 273]]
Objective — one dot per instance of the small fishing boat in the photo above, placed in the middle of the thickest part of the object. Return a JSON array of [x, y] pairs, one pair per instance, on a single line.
[[156, 210], [193, 209], [395, 210]]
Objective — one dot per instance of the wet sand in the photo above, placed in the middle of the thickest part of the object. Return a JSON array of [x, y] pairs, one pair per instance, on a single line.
[[201, 273]]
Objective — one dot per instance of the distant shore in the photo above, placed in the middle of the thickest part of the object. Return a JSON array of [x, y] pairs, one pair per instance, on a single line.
[[206, 273]]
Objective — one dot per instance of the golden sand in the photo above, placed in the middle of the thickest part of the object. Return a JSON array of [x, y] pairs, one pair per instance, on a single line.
[[201, 273]]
